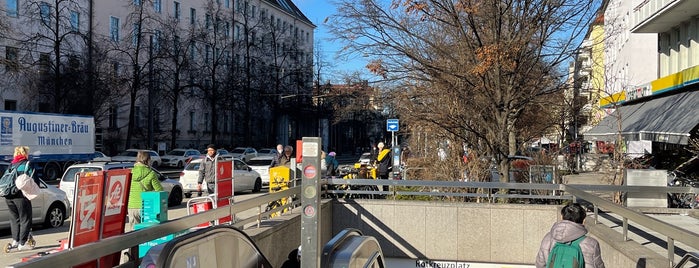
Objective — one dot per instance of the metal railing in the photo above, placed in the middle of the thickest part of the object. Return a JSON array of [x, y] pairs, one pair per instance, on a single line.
[[85, 253]]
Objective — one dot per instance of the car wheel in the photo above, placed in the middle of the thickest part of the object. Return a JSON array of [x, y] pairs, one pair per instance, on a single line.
[[55, 216], [258, 185], [52, 171], [155, 164], [187, 195], [175, 198]]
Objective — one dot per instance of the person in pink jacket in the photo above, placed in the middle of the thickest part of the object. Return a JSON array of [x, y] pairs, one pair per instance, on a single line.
[[569, 229]]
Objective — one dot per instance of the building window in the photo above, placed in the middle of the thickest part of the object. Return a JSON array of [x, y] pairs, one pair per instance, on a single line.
[[156, 41], [12, 8], [157, 6], [116, 68], [177, 11], [45, 12], [11, 105], [136, 34], [191, 121], [136, 2], [113, 113], [227, 29], [253, 11], [207, 55], [207, 122], [137, 117], [12, 58], [208, 21], [227, 3], [44, 63], [192, 51], [192, 16], [75, 21], [114, 28], [44, 107]]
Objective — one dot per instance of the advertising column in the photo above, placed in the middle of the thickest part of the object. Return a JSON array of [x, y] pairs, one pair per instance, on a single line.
[[224, 186]]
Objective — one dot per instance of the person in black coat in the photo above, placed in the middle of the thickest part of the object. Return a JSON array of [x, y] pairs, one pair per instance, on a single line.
[[294, 260]]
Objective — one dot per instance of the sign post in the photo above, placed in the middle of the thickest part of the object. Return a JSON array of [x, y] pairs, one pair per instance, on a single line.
[[310, 203], [393, 126]]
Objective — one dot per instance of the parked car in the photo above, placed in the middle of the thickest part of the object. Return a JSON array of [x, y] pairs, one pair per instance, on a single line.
[[179, 157], [244, 178], [261, 164], [101, 157], [130, 156], [244, 153], [267, 152], [224, 153], [67, 183], [51, 207]]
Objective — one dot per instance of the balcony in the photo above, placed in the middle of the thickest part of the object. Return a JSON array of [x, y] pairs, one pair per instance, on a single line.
[[657, 16]]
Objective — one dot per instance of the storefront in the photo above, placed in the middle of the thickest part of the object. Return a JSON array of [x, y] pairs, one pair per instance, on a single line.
[[661, 115]]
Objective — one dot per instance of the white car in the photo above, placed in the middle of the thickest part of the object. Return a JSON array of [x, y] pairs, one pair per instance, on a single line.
[[130, 156], [179, 157], [51, 207], [244, 153], [261, 164], [244, 178], [67, 183], [267, 152], [101, 157]]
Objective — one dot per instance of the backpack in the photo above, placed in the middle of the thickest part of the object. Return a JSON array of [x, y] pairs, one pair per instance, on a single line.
[[566, 255], [7, 182]]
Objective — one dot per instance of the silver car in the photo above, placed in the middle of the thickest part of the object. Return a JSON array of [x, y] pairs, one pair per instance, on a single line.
[[67, 184], [51, 207]]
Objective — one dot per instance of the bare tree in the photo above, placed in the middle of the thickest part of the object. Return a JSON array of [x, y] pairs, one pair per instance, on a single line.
[[470, 68]]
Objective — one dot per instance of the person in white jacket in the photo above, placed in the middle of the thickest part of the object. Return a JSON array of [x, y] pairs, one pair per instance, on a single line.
[[569, 229]]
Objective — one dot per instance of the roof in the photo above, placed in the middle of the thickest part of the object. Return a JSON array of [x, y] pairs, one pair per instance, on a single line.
[[291, 8]]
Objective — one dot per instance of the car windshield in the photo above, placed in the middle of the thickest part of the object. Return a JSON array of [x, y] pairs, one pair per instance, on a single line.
[[72, 172], [260, 162], [128, 153], [364, 157], [176, 153], [238, 151], [192, 166]]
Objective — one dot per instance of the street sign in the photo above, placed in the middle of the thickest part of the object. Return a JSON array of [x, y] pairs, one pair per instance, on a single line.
[[392, 125]]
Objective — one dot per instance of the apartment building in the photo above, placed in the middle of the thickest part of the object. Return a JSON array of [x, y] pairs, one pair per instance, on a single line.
[[161, 73], [654, 113]]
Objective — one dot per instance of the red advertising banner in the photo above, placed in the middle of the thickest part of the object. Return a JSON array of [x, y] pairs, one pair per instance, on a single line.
[[116, 196], [85, 227], [224, 186]]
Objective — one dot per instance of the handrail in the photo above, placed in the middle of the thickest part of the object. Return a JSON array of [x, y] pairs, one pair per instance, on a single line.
[[88, 252], [690, 256], [672, 232]]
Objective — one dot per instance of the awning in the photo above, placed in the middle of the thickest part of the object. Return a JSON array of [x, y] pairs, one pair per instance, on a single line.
[[669, 119]]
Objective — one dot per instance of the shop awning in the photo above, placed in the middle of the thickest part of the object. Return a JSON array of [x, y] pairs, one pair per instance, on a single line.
[[669, 119]]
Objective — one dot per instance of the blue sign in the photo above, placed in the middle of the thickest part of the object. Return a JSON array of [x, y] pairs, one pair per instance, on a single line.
[[392, 125]]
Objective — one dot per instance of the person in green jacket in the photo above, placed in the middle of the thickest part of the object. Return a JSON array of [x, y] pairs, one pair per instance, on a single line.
[[143, 179]]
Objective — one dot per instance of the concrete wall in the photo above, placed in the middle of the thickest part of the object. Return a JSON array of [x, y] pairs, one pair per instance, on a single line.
[[500, 233], [277, 237]]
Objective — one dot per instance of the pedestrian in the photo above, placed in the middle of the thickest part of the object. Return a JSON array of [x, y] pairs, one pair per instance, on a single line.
[[571, 229], [374, 153], [278, 154], [285, 158], [143, 179], [383, 161], [18, 204], [331, 164], [207, 170]]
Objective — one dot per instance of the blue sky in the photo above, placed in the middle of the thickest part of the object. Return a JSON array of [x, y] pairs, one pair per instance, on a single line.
[[317, 11]]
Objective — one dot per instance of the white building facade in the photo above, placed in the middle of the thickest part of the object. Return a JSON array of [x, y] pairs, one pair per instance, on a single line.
[[161, 73]]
